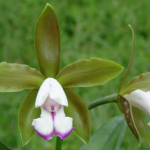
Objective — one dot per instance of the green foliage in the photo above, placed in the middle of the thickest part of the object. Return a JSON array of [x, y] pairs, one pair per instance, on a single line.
[[3, 147], [88, 29], [109, 136], [85, 73]]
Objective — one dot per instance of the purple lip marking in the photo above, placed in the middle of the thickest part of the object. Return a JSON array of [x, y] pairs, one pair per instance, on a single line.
[[53, 115], [44, 107], [49, 135], [52, 107], [64, 135], [46, 136], [59, 107]]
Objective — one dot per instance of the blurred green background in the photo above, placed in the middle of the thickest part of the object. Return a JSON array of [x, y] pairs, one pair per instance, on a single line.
[[89, 28]]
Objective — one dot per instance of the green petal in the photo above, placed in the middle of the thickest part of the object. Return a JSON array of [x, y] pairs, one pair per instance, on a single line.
[[129, 117], [80, 114], [141, 82], [15, 77], [3, 147], [27, 113], [85, 73], [109, 136], [140, 124], [47, 42]]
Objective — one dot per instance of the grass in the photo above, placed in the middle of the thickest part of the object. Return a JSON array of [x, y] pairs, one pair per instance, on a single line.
[[88, 29]]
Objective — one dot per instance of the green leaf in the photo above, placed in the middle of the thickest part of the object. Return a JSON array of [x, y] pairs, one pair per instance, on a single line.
[[141, 82], [15, 77], [85, 73], [140, 124], [80, 114], [27, 113], [127, 110], [108, 136], [3, 147], [47, 42]]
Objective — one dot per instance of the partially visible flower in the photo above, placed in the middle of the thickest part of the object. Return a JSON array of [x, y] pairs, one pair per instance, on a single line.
[[51, 99], [140, 100], [134, 97]]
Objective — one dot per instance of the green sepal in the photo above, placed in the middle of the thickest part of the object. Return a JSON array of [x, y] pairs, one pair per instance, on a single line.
[[130, 62], [141, 82], [47, 42], [109, 136], [3, 147], [127, 110], [140, 124], [80, 114], [16, 77], [27, 113], [85, 73]]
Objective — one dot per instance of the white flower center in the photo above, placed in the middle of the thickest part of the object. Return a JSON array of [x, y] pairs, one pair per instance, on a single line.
[[51, 105]]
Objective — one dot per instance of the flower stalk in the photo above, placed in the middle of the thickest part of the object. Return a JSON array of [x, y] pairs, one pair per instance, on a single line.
[[58, 143], [103, 100]]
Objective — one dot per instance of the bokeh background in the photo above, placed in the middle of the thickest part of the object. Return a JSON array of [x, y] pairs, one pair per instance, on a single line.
[[88, 28]]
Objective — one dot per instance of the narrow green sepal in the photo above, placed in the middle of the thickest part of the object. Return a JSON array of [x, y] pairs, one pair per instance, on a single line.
[[127, 110], [16, 77], [47, 42], [129, 64], [27, 113], [140, 124], [80, 114], [86, 73]]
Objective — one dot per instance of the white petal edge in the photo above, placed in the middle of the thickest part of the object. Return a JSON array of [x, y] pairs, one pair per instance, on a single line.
[[44, 125], [63, 125], [56, 92], [42, 93], [139, 99]]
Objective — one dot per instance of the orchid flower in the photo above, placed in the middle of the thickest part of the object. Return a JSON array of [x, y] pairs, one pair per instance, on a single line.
[[50, 89], [51, 99], [133, 97]]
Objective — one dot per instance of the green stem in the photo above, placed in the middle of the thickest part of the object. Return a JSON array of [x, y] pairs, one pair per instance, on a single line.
[[58, 143], [103, 100]]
